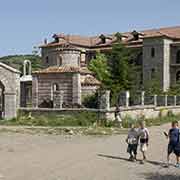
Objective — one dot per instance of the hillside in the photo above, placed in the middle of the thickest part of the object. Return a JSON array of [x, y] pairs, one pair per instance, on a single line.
[[16, 61]]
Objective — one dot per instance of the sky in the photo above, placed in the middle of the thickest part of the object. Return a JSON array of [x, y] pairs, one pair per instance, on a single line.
[[26, 23]]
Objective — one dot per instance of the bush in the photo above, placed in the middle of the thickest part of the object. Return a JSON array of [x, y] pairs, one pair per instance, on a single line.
[[91, 101]]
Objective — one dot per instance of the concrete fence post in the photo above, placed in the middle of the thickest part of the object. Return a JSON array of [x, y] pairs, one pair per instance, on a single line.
[[127, 98], [105, 100], [175, 99], [166, 103], [61, 99], [155, 100], [142, 98]]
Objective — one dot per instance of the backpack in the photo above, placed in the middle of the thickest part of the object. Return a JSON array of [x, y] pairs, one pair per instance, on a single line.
[[177, 147], [174, 136]]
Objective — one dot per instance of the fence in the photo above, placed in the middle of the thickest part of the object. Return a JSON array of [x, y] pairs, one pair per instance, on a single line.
[[141, 99]]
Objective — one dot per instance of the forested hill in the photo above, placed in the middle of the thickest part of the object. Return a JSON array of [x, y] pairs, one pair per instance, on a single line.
[[16, 61]]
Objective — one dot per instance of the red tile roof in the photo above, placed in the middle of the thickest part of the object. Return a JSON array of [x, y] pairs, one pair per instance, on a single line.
[[90, 80], [64, 69], [95, 41]]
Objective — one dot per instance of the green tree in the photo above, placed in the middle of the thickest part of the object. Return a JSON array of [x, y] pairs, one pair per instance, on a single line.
[[100, 67], [153, 85], [122, 68]]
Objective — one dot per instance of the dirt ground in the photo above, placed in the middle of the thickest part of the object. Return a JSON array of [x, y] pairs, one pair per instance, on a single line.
[[50, 157]]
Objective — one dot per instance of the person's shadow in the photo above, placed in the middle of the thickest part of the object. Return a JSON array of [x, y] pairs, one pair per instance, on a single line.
[[157, 176], [156, 163]]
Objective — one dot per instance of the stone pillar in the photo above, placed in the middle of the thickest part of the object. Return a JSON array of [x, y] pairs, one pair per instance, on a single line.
[[142, 98], [175, 99], [127, 98], [166, 100], [105, 100], [35, 91], [76, 89], [155, 100], [83, 57], [61, 99], [10, 105]]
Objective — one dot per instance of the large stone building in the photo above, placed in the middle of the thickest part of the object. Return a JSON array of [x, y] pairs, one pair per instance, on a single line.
[[159, 51], [65, 78]]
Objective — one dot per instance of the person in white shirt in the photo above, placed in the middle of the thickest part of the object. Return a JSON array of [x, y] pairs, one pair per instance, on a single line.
[[144, 139]]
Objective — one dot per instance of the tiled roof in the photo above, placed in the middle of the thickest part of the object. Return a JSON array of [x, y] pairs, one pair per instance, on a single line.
[[90, 80], [64, 69], [95, 41]]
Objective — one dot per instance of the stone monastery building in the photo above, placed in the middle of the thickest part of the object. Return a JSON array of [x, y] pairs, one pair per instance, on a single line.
[[65, 60], [66, 78]]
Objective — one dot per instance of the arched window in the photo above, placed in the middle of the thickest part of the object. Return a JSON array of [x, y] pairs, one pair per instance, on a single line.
[[178, 77], [59, 61], [178, 57], [55, 87], [27, 68], [79, 61], [152, 52], [47, 60]]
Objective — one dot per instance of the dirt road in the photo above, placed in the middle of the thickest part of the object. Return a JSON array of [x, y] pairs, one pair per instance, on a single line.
[[49, 157]]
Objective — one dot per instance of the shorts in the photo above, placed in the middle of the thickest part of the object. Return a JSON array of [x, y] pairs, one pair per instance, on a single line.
[[172, 149], [143, 147], [132, 148]]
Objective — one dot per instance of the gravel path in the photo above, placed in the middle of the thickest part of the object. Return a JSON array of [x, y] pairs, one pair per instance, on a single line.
[[49, 157]]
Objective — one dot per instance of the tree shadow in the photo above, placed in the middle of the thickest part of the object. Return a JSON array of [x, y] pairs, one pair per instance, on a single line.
[[157, 176]]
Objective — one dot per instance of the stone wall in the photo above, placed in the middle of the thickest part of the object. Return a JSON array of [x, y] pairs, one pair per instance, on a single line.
[[10, 79], [146, 112], [42, 87], [155, 62], [88, 90], [58, 56]]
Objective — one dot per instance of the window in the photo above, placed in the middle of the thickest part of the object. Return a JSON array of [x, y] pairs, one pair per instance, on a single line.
[[178, 57], [152, 52], [153, 72], [178, 77], [55, 87], [47, 60], [103, 38], [135, 35], [79, 61], [59, 61]]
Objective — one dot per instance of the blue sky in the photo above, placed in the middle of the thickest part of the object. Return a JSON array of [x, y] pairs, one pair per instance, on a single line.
[[25, 23]]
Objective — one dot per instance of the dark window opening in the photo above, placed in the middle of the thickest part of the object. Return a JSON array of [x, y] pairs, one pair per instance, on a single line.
[[47, 59], [135, 35], [152, 52], [59, 61], [103, 38], [55, 87], [79, 61], [178, 57], [153, 72]]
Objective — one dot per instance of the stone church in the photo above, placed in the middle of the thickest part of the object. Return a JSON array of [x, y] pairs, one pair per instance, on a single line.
[[65, 78]]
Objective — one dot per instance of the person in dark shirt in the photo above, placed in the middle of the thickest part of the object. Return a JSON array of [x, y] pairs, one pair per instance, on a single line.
[[173, 144]]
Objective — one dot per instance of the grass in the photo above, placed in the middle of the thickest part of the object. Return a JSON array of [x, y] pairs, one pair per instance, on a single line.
[[82, 119], [80, 123]]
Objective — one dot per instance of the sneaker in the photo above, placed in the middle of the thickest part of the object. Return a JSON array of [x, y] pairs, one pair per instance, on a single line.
[[142, 162], [177, 165]]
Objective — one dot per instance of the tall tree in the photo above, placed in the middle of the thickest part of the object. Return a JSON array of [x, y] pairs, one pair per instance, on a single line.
[[100, 67]]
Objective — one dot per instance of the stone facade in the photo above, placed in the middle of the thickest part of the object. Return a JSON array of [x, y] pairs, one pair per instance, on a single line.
[[10, 80]]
